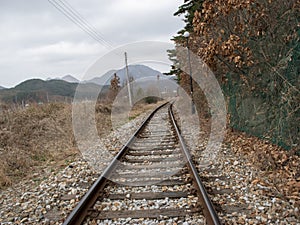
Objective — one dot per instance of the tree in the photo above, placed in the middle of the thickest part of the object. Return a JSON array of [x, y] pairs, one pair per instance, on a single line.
[[247, 37], [114, 87], [253, 49], [188, 9], [175, 70]]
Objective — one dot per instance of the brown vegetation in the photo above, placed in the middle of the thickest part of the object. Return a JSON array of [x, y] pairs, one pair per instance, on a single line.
[[114, 88], [252, 47], [38, 137], [32, 137], [280, 167]]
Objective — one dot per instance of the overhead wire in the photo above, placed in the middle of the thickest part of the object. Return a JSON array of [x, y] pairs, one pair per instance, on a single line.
[[73, 15], [77, 22], [84, 21]]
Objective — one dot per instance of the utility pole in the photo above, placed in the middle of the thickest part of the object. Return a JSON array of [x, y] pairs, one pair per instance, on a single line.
[[158, 86], [128, 82], [186, 35]]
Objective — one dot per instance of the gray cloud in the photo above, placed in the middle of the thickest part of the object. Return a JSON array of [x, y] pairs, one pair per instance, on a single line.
[[39, 41]]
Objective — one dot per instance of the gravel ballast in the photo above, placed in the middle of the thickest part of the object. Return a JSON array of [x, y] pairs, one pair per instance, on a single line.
[[231, 180]]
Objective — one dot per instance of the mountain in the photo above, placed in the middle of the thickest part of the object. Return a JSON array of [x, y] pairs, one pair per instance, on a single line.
[[62, 89], [104, 79], [37, 90], [70, 79], [67, 78], [1, 88], [58, 87], [145, 81], [134, 71]]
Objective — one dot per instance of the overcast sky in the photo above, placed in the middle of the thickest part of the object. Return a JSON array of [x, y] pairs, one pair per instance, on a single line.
[[38, 41]]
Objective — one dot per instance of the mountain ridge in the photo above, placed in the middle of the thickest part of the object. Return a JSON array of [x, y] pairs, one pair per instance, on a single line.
[[39, 90], [69, 78], [135, 71]]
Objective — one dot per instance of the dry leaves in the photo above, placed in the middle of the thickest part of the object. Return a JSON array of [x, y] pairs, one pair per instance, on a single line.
[[281, 167]]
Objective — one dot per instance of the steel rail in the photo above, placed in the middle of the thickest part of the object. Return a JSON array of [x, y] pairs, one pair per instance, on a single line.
[[78, 214], [209, 211]]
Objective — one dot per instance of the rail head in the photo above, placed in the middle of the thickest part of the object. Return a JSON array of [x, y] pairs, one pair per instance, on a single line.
[[209, 210]]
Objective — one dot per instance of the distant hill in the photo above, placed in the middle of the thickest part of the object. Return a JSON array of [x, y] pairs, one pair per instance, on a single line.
[[53, 87], [145, 77], [67, 78], [37, 90], [1, 88], [70, 79], [63, 89], [134, 71], [104, 79]]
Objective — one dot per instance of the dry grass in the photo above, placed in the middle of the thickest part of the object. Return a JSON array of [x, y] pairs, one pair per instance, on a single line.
[[41, 136], [31, 137], [141, 107]]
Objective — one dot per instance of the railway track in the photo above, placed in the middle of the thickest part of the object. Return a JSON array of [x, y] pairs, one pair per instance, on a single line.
[[152, 177]]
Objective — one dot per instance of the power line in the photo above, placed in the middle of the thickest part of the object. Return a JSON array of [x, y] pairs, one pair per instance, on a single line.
[[65, 8], [84, 21], [78, 20]]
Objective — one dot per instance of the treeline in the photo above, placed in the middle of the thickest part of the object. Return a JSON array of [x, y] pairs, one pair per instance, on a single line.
[[253, 49]]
